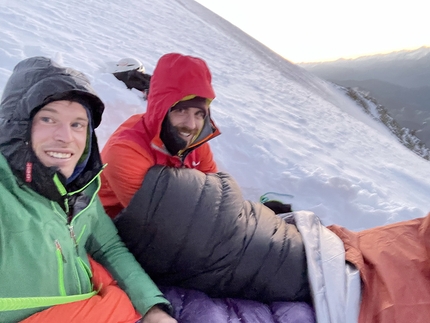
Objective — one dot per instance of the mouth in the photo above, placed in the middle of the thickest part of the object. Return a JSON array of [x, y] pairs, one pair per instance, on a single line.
[[58, 155], [185, 134]]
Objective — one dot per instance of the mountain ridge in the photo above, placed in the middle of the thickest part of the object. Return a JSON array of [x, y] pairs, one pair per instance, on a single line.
[[400, 81]]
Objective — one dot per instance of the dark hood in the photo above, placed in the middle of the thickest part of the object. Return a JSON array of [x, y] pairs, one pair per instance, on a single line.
[[35, 82]]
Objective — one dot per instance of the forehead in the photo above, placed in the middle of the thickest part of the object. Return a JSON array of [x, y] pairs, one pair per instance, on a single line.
[[66, 108]]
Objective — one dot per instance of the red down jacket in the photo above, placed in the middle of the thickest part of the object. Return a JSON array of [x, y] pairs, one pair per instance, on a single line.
[[136, 145]]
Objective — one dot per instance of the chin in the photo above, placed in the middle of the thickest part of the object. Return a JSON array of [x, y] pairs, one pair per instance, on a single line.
[[64, 172]]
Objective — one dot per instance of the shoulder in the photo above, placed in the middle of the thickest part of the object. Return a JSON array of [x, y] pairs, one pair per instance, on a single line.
[[132, 133], [126, 153], [204, 151]]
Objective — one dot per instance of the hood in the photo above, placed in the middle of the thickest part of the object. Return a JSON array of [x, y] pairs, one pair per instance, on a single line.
[[177, 77], [35, 82]]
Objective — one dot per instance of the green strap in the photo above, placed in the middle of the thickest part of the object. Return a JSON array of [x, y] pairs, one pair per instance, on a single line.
[[265, 198], [12, 304]]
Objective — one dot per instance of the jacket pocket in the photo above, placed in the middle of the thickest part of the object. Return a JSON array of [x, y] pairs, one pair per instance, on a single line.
[[89, 274], [61, 260]]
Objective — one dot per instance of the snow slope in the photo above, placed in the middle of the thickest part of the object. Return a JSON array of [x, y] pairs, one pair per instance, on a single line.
[[283, 129]]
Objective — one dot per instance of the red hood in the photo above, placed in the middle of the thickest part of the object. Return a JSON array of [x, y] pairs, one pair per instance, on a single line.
[[175, 77]]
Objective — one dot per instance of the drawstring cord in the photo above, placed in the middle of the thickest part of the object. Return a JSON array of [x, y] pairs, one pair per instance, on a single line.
[[264, 198]]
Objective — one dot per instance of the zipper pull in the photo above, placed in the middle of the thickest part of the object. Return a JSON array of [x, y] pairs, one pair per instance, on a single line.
[[58, 246], [73, 236]]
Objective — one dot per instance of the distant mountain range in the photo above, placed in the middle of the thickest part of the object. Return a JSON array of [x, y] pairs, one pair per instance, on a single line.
[[398, 81]]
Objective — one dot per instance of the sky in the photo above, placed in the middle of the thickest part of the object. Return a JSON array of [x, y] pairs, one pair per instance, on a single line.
[[314, 30], [284, 130]]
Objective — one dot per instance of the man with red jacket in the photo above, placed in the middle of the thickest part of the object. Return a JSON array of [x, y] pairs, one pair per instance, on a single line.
[[173, 132]]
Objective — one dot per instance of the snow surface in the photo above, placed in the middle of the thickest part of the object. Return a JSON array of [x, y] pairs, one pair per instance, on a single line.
[[283, 129]]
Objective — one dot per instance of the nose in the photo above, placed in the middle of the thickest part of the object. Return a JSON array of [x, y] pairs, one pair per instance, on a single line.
[[63, 133], [190, 121]]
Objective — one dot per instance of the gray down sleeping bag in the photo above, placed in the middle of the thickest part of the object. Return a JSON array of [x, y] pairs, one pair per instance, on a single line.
[[195, 230]]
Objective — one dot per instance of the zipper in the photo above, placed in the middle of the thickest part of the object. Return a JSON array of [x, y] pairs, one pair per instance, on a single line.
[[80, 262], [73, 236], [61, 259], [88, 184], [93, 197]]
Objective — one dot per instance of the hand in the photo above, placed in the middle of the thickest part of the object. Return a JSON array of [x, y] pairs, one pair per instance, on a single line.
[[278, 207], [157, 315]]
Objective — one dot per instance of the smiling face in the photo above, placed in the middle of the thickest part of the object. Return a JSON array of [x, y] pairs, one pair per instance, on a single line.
[[187, 121], [59, 135]]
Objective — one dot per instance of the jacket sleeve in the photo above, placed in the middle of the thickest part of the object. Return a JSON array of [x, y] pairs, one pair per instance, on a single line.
[[106, 247], [125, 178], [207, 164]]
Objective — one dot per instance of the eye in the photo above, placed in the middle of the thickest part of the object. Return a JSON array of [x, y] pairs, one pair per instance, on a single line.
[[201, 114], [180, 111], [79, 125], [46, 119]]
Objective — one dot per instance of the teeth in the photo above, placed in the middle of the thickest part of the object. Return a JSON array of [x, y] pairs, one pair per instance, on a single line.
[[59, 155], [185, 134]]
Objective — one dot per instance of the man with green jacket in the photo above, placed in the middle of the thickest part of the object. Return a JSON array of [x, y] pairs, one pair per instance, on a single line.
[[50, 216]]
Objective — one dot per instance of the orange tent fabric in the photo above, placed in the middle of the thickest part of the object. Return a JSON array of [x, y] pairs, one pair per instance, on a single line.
[[394, 264], [110, 305]]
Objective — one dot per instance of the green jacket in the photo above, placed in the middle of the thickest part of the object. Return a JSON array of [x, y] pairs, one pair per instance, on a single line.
[[42, 255], [49, 226]]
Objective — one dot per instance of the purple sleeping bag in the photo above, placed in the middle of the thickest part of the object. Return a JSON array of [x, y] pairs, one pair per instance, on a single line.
[[192, 306]]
